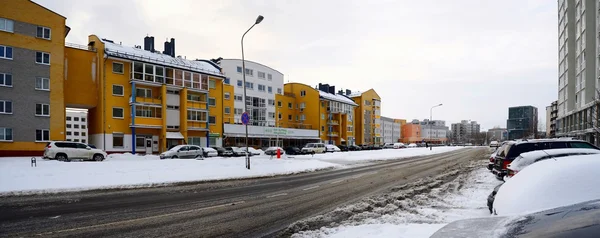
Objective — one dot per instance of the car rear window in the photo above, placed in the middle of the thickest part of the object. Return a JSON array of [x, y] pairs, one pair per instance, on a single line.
[[557, 145], [579, 144]]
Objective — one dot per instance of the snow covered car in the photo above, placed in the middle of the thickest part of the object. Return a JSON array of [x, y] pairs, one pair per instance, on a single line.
[[209, 152], [399, 146], [223, 152], [332, 148], [67, 150], [548, 184], [492, 197], [253, 151], [388, 146], [236, 151], [273, 151], [526, 159], [577, 220], [412, 145], [182, 152]]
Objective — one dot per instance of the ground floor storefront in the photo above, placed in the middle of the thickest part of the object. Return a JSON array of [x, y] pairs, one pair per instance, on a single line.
[[263, 137]]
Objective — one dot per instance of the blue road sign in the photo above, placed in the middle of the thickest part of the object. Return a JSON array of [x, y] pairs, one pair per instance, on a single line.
[[245, 118]]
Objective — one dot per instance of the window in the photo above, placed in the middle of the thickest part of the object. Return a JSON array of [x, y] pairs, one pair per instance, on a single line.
[[279, 103], [6, 25], [76, 133], [195, 98], [43, 32], [250, 85], [272, 115], [269, 77], [211, 84], [117, 90], [194, 115], [117, 140], [83, 133], [322, 116], [117, 68], [117, 112], [76, 126], [68, 125], [322, 128], [270, 89], [68, 132], [297, 118], [238, 97], [227, 80], [146, 111], [302, 93], [290, 117], [226, 96], [174, 92], [42, 135], [261, 75], [42, 109], [250, 72], [42, 84], [68, 118], [271, 102], [261, 87], [6, 80], [581, 145], [279, 116], [157, 74], [278, 90], [212, 102], [5, 134], [42, 58], [227, 110], [83, 140], [212, 120], [290, 105], [6, 52], [143, 92], [82, 126], [239, 69], [238, 111], [172, 107], [239, 83]]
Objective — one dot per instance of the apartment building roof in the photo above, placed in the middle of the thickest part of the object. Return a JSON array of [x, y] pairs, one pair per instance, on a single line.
[[133, 53], [336, 97]]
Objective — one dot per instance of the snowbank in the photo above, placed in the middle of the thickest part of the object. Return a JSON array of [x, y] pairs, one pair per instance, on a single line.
[[549, 184], [127, 170]]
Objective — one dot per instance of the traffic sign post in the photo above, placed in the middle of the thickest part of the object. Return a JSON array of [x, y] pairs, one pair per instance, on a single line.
[[245, 120]]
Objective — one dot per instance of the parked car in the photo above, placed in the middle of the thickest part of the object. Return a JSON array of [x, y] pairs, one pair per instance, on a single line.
[[399, 146], [493, 157], [291, 150], [366, 147], [494, 143], [209, 152], [312, 148], [223, 152], [576, 220], [236, 151], [354, 148], [376, 147], [388, 146], [491, 197], [513, 149], [67, 151], [253, 151], [182, 152], [412, 145], [273, 151], [549, 184], [92, 146], [526, 159], [332, 148], [343, 148]]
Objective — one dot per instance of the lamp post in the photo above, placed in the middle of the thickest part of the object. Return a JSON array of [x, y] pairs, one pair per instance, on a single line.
[[258, 20], [430, 122]]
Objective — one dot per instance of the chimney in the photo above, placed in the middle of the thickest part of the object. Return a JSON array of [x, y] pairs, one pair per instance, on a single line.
[[149, 43], [320, 86], [167, 49], [341, 92], [172, 47], [348, 92], [332, 89]]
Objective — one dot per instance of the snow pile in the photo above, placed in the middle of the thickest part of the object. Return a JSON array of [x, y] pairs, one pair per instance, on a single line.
[[417, 209], [127, 170], [550, 183]]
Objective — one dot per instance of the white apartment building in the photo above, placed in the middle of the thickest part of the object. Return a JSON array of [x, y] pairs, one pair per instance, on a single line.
[[391, 130], [578, 32], [76, 126], [435, 131]]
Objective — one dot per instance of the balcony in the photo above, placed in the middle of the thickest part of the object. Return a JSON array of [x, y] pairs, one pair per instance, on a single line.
[[332, 134], [333, 122], [197, 125], [146, 100], [196, 104], [147, 122]]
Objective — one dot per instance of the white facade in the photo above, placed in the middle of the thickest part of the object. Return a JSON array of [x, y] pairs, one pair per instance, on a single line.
[[262, 83], [436, 129], [77, 126], [390, 130]]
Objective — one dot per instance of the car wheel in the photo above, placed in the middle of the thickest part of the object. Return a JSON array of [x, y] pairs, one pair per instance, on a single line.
[[98, 157], [61, 157], [174, 157]]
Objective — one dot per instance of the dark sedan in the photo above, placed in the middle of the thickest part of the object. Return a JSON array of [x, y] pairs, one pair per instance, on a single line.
[[343, 148], [292, 150], [222, 151], [354, 148]]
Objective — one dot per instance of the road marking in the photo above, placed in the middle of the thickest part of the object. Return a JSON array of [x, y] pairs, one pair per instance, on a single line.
[[54, 217], [338, 181], [277, 195], [138, 219], [369, 173], [313, 187]]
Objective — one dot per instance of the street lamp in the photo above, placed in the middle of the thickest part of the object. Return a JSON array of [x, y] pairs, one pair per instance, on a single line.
[[258, 20], [430, 122]]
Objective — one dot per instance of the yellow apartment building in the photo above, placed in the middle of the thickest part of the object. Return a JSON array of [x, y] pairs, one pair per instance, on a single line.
[[367, 117], [32, 40]]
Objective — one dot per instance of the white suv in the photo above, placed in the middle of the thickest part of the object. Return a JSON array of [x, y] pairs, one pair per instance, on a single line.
[[312, 148], [67, 150]]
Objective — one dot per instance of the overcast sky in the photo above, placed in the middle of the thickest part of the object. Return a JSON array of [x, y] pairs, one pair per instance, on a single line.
[[477, 57]]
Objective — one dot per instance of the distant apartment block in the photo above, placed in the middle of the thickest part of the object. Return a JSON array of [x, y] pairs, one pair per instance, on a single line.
[[434, 131], [551, 115], [465, 131], [77, 127], [391, 130], [522, 122]]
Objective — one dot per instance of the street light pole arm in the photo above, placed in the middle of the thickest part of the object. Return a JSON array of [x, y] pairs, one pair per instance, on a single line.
[[243, 39]]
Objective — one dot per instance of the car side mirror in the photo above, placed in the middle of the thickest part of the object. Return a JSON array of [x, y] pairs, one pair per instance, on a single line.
[[88, 148]]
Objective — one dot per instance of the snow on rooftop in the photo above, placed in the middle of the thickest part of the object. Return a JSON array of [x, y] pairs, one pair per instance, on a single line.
[[337, 98], [355, 94], [133, 53]]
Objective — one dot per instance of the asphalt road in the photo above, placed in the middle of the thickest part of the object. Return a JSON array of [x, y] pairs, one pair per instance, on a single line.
[[242, 208]]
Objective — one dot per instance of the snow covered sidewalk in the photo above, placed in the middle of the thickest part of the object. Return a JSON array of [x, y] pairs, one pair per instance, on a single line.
[[130, 171], [413, 210]]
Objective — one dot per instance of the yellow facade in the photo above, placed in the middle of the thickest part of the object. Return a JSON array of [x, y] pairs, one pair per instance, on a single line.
[[31, 13], [228, 118], [368, 115]]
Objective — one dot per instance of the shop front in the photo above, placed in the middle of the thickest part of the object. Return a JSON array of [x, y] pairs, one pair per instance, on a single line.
[[263, 137]]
